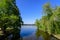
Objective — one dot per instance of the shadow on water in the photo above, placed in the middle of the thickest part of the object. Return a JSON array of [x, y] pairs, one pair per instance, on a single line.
[[41, 35]]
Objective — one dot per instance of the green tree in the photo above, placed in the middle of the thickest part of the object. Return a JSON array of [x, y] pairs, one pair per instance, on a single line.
[[10, 18], [50, 20]]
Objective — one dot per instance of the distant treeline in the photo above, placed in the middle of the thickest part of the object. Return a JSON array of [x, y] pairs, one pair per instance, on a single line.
[[28, 25]]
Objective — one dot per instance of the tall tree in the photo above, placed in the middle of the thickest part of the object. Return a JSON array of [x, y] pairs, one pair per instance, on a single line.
[[10, 17]]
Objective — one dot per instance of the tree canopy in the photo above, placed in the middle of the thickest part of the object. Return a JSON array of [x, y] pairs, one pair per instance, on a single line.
[[10, 17], [50, 21]]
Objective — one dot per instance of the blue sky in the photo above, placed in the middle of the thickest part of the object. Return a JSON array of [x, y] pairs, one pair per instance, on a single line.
[[32, 9]]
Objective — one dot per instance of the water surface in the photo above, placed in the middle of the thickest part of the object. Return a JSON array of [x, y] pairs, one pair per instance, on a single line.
[[28, 33], [28, 30]]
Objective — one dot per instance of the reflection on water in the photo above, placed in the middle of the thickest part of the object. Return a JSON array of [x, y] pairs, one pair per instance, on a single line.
[[28, 33]]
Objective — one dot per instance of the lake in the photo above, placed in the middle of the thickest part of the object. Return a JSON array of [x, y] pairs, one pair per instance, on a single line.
[[28, 30], [28, 33]]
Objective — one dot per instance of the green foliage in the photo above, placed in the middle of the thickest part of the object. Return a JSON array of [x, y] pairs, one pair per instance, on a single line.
[[50, 21], [10, 17]]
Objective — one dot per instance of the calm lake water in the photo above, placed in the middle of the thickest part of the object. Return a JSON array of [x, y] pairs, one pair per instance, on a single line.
[[28, 30], [28, 33]]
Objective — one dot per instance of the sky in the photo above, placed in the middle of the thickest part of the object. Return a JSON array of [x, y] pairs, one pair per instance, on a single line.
[[33, 9]]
